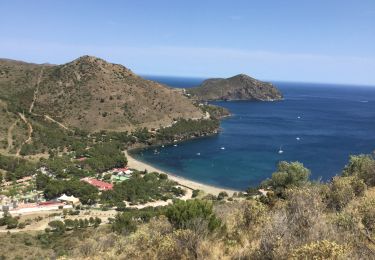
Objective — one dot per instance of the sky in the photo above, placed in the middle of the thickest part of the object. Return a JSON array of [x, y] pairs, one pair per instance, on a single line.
[[325, 41]]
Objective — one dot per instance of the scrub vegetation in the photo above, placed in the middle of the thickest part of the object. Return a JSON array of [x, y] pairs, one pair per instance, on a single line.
[[297, 219]]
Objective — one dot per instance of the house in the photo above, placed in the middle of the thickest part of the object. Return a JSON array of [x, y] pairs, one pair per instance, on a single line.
[[68, 199], [101, 185], [7, 203], [121, 171]]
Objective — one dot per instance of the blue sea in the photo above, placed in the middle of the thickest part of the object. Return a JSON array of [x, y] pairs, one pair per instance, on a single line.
[[320, 125]]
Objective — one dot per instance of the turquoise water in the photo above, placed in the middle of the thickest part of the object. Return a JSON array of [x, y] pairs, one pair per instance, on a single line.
[[331, 122]]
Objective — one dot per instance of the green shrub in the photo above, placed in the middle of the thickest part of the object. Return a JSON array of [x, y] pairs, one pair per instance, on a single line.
[[182, 213], [124, 224]]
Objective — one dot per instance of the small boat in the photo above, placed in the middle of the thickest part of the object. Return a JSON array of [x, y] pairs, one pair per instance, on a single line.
[[162, 146], [222, 148], [298, 138], [156, 151], [280, 151], [298, 117], [198, 153], [175, 145]]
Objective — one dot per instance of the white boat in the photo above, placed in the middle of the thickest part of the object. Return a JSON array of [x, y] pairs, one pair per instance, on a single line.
[[298, 117], [280, 151], [298, 138], [222, 148], [198, 153], [162, 146], [175, 145]]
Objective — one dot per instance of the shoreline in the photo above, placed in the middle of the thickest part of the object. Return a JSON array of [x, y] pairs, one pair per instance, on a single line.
[[193, 185]]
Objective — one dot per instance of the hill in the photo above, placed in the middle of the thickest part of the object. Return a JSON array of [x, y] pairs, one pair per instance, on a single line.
[[92, 94], [239, 87]]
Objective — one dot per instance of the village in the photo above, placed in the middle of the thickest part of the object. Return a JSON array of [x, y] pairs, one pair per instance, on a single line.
[[32, 210]]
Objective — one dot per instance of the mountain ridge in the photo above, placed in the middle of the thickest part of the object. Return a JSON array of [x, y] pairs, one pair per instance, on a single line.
[[92, 94]]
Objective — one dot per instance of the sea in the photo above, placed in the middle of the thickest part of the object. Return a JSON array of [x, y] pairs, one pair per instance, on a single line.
[[319, 125]]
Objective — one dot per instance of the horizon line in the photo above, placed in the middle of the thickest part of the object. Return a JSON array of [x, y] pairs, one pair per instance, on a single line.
[[265, 80]]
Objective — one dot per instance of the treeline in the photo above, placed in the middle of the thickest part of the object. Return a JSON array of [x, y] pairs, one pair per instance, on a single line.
[[52, 188], [59, 227], [105, 156], [142, 189], [184, 129], [15, 167]]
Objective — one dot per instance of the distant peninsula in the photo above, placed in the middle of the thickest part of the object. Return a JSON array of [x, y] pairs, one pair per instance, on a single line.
[[239, 87]]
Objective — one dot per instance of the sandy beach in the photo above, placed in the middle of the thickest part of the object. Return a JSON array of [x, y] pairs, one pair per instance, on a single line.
[[141, 166]]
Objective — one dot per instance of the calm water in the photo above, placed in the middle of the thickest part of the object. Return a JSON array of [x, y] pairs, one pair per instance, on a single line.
[[331, 122]]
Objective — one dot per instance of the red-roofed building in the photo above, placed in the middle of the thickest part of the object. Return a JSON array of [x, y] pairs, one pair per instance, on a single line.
[[101, 185]]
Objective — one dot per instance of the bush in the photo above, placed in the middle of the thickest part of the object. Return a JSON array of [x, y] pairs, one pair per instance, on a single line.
[[367, 210], [124, 224], [320, 250], [12, 223], [222, 195], [342, 190], [182, 213], [21, 225], [195, 193], [362, 166]]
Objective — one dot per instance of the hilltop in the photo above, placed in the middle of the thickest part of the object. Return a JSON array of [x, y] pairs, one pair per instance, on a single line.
[[239, 87], [92, 94]]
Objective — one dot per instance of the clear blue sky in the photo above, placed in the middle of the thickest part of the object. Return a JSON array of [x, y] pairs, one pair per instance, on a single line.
[[290, 40]]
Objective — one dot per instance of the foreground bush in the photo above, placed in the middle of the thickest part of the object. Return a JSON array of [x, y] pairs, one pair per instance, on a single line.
[[186, 214], [320, 250], [287, 175]]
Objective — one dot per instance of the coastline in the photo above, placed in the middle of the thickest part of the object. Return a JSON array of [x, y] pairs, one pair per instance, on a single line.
[[193, 185]]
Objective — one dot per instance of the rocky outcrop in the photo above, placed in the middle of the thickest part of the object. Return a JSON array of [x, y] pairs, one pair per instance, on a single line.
[[239, 87]]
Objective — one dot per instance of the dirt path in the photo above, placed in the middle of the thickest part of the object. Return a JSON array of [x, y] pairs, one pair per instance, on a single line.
[[10, 135], [53, 120], [36, 90], [30, 132]]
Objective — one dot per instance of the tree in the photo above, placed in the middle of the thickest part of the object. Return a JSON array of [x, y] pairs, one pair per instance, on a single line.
[[97, 222], [287, 175], [41, 181], [57, 227], [69, 224], [81, 223]]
